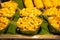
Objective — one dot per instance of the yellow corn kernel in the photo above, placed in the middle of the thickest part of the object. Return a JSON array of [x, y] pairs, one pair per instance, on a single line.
[[47, 3], [38, 4], [28, 3]]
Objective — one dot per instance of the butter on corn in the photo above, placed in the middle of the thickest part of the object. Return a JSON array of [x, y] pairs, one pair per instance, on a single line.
[[3, 22]]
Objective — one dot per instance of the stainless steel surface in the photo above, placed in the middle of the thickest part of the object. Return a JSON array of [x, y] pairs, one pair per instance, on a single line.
[[30, 37]]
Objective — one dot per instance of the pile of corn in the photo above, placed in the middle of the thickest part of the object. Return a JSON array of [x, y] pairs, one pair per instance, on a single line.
[[29, 23], [40, 4], [53, 15], [8, 8], [7, 11], [30, 20]]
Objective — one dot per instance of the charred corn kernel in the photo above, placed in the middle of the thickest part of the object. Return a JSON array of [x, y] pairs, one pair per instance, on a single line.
[[30, 12], [38, 4], [51, 12], [47, 3], [54, 21], [7, 12], [29, 23], [55, 2], [28, 3], [3, 22], [9, 4]]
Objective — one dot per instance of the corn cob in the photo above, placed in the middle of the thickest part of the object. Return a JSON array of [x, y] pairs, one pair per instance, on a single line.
[[47, 3], [7, 12], [54, 24], [3, 22], [11, 29], [51, 12], [38, 4], [30, 12], [10, 4], [52, 15], [28, 3], [29, 24]]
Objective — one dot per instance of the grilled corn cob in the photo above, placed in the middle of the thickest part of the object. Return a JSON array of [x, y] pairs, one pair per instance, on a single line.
[[9, 4], [9, 8], [52, 15], [28, 3], [38, 4], [7, 12], [54, 24], [30, 12], [3, 22], [51, 12], [29, 24], [47, 3]]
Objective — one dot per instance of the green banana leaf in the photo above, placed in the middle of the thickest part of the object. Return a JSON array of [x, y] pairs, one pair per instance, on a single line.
[[44, 28], [29, 32], [12, 29], [16, 16], [20, 3]]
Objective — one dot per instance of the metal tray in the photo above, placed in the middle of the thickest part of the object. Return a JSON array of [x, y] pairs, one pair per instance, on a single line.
[[11, 36]]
